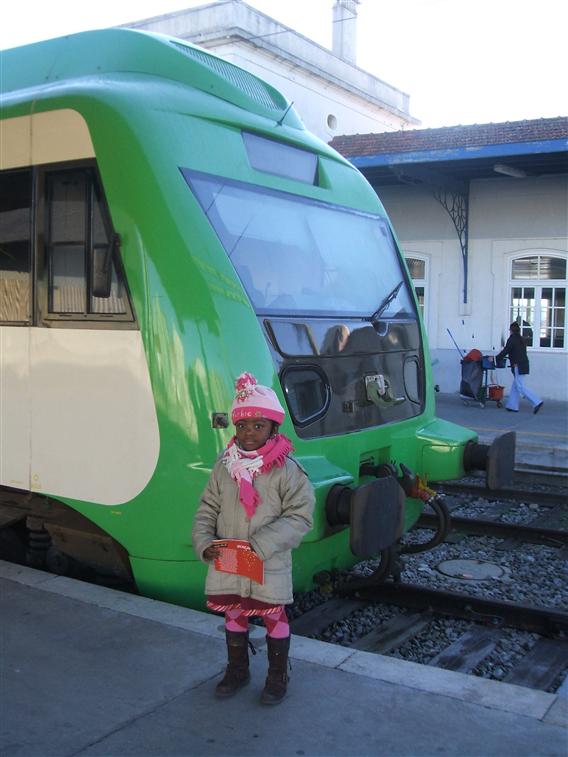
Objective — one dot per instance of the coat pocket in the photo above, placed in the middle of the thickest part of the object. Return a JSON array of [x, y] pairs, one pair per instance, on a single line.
[[276, 589]]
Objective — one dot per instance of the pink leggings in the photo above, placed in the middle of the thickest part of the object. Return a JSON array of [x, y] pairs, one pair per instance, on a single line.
[[276, 623]]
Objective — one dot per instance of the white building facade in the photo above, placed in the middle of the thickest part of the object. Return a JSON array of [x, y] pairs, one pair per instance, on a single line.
[[515, 179], [330, 92], [484, 246]]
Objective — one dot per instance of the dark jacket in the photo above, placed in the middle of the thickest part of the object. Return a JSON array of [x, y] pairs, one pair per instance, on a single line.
[[517, 351]]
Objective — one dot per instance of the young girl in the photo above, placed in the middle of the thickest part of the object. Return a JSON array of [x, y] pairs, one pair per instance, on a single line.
[[258, 493]]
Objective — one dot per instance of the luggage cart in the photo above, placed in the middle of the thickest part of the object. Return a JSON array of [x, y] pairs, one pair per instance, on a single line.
[[475, 386]]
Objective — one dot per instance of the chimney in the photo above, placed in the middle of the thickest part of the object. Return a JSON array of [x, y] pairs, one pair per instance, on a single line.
[[344, 36]]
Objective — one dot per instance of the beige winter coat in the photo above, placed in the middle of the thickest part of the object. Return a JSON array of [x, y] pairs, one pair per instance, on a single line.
[[281, 520]]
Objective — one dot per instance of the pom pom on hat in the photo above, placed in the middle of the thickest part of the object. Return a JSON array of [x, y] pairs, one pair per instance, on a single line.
[[252, 400]]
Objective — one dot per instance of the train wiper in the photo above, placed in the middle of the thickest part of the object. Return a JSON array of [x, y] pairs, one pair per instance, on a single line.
[[385, 303]]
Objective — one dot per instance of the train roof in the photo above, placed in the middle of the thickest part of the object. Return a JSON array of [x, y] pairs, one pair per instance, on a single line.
[[127, 51]]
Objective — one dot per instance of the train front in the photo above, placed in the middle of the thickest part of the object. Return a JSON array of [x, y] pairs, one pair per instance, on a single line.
[[246, 245], [334, 301]]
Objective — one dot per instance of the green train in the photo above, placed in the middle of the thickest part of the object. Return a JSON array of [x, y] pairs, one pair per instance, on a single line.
[[167, 223]]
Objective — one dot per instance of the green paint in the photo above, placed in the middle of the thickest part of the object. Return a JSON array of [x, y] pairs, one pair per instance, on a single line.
[[152, 108]]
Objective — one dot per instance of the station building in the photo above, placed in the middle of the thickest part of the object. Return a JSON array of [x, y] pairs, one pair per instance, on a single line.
[[481, 213], [330, 92]]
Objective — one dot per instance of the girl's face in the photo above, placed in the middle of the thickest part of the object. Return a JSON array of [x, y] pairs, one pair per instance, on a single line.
[[252, 433]]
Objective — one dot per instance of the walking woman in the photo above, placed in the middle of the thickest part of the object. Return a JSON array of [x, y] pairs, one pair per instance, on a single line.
[[516, 350]]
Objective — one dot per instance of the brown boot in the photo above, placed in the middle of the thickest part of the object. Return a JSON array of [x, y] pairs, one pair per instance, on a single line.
[[277, 679], [237, 672]]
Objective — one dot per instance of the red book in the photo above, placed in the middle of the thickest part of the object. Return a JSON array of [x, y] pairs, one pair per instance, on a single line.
[[238, 557]]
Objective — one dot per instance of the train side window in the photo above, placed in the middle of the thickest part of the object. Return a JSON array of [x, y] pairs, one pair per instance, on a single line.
[[67, 199], [105, 243], [79, 243], [15, 246]]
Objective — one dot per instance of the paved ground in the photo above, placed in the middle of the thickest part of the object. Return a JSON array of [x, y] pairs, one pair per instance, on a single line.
[[542, 439], [90, 671]]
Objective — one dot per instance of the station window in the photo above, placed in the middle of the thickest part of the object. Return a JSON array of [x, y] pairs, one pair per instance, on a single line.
[[417, 270], [15, 246], [537, 299]]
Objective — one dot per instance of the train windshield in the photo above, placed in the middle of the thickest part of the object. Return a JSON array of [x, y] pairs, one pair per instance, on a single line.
[[295, 255]]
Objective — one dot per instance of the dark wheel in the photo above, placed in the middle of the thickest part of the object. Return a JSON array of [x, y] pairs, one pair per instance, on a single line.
[[499, 403]]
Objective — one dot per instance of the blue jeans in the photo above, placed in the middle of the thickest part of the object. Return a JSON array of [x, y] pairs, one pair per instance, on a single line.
[[519, 390]]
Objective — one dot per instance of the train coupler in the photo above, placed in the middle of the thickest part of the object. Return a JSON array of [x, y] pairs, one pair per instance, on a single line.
[[374, 511], [496, 459]]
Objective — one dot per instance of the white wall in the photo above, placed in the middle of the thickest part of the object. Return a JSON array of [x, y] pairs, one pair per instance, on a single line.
[[314, 99], [507, 216], [320, 83]]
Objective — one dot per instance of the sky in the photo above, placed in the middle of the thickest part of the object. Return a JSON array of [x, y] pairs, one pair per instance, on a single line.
[[461, 61]]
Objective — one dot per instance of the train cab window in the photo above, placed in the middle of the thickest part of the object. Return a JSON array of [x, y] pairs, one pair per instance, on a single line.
[[307, 394], [80, 249], [296, 255], [15, 246]]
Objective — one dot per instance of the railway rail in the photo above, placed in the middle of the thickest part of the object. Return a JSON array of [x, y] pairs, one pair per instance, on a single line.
[[473, 627], [546, 521], [554, 495], [512, 531], [539, 668]]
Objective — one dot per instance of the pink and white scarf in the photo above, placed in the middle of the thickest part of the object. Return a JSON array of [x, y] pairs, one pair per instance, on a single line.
[[244, 467]]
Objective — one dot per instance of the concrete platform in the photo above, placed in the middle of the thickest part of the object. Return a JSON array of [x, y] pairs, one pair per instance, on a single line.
[[542, 439], [90, 671]]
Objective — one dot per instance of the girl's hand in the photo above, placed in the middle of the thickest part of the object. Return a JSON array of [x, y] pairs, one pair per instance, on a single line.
[[211, 553]]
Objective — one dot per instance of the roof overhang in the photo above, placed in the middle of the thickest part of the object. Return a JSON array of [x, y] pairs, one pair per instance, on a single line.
[[464, 163]]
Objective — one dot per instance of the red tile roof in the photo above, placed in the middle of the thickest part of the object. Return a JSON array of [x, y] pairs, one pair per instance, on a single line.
[[412, 140]]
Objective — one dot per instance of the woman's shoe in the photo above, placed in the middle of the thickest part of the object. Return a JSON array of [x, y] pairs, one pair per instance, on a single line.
[[510, 410], [537, 407]]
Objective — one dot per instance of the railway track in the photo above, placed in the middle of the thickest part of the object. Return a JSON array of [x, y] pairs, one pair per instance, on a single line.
[[553, 497], [487, 620], [512, 532], [473, 629], [541, 475], [495, 514]]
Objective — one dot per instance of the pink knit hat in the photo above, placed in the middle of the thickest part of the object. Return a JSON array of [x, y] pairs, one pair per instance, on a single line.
[[253, 400]]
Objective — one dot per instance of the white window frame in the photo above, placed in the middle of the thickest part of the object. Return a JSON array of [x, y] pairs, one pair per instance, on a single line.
[[424, 310], [538, 285]]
